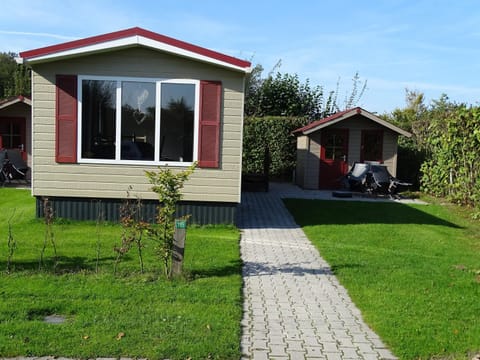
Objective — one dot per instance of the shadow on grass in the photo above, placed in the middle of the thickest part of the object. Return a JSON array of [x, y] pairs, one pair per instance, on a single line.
[[323, 212], [233, 268], [65, 264]]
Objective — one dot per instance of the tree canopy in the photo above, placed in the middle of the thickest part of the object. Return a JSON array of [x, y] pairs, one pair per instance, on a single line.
[[14, 78], [283, 94]]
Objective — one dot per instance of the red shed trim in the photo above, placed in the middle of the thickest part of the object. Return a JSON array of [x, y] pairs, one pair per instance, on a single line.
[[14, 100], [343, 115]]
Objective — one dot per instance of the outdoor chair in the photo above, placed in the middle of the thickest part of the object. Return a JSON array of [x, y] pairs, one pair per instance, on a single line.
[[380, 181], [15, 167], [356, 177], [3, 162], [372, 178]]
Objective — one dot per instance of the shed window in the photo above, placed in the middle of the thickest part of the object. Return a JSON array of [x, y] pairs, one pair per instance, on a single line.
[[136, 120], [372, 145]]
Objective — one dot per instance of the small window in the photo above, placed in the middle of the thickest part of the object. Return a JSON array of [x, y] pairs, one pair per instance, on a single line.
[[335, 146], [135, 120], [372, 145]]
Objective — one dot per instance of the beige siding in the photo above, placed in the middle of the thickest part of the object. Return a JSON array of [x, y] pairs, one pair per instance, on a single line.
[[390, 151], [112, 181], [312, 164], [302, 149]]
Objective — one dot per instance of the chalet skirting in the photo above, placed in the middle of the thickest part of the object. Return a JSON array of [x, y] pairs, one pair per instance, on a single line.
[[201, 213]]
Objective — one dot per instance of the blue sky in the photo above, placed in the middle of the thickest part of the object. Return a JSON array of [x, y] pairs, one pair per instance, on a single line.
[[424, 45]]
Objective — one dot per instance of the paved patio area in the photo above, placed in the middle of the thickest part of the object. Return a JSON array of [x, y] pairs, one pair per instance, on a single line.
[[294, 307]]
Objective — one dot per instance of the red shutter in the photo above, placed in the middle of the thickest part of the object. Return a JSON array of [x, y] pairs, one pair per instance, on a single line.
[[66, 119], [209, 131]]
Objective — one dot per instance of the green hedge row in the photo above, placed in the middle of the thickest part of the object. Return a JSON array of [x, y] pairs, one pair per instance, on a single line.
[[273, 132]]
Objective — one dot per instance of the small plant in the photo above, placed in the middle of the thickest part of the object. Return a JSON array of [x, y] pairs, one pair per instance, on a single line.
[[132, 230], [167, 186], [11, 243], [100, 221], [48, 216]]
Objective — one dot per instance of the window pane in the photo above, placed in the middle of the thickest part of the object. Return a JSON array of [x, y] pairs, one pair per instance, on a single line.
[[98, 119], [334, 148], [177, 120], [372, 145], [5, 133], [138, 121]]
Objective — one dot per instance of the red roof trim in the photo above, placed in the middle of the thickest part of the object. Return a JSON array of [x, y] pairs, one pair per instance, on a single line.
[[343, 115], [328, 119], [15, 99], [136, 31]]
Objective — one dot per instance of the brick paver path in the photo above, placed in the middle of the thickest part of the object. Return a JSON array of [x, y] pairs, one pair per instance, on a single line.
[[294, 308]]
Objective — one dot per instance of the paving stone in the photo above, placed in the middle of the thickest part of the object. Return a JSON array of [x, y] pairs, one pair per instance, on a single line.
[[297, 355], [276, 340], [314, 350], [260, 355], [330, 347], [334, 356], [369, 356], [365, 347], [311, 341], [260, 345], [349, 353], [277, 350]]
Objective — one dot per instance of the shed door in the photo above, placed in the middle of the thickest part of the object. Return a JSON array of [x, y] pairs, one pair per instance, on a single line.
[[12, 133], [333, 158]]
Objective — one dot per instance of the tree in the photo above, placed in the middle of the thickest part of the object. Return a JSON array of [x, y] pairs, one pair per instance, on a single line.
[[452, 168], [283, 94], [414, 117], [7, 71], [14, 79]]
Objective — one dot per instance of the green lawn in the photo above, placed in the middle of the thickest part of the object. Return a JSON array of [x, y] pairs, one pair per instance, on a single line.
[[414, 271], [132, 314]]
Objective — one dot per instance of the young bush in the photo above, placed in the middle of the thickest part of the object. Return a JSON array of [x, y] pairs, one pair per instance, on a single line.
[[167, 185], [132, 230]]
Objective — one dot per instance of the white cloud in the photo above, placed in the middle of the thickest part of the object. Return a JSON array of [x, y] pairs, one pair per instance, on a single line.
[[38, 34]]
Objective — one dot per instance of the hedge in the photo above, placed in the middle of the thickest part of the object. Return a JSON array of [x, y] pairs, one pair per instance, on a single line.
[[273, 132]]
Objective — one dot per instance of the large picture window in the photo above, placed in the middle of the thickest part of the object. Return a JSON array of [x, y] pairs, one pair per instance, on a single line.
[[135, 120]]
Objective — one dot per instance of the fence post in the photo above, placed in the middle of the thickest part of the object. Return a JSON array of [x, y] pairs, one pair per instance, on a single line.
[[178, 246]]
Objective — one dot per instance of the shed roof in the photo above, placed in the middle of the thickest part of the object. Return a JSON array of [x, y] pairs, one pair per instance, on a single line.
[[14, 100], [129, 38], [343, 115]]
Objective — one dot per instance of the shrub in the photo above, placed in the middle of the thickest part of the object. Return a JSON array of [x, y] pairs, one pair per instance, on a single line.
[[274, 132]]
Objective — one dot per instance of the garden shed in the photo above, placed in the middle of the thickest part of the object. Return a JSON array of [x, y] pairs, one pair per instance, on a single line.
[[327, 148], [109, 107], [16, 125]]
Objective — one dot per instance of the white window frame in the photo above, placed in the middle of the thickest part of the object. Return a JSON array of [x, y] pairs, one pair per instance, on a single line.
[[118, 120]]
